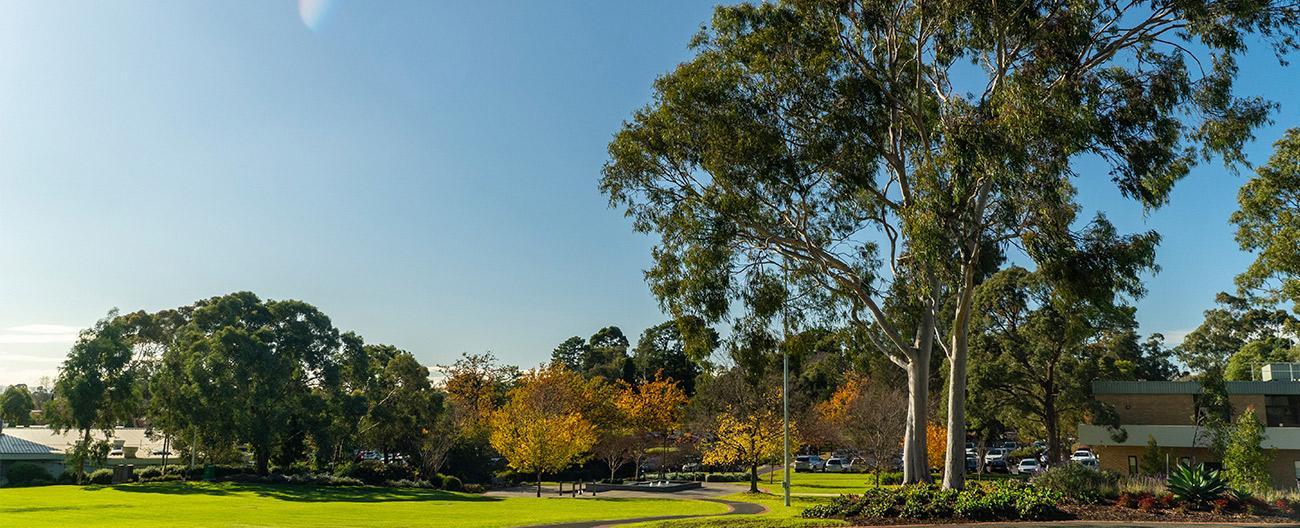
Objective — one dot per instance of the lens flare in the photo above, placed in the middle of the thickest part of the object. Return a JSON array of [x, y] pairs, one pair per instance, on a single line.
[[314, 12]]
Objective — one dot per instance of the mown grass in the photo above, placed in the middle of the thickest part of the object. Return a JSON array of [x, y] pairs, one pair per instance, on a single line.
[[240, 505]]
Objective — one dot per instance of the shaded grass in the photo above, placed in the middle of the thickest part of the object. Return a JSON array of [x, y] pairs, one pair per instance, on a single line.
[[188, 505]]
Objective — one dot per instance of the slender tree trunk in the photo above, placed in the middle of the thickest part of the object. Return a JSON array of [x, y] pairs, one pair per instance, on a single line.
[[954, 474], [915, 466]]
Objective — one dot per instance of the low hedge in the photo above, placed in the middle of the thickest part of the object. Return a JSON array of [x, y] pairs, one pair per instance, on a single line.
[[1004, 500], [28, 474]]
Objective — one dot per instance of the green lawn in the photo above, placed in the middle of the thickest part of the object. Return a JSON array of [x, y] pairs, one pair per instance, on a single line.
[[244, 506]]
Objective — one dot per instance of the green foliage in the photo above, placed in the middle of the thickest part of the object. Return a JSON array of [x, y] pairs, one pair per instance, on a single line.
[[1245, 462], [1153, 459], [1006, 500], [1077, 483], [27, 474], [16, 405], [100, 476], [1268, 224], [374, 472], [1196, 485]]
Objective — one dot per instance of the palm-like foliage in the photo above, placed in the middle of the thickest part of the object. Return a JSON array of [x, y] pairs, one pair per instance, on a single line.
[[1196, 484]]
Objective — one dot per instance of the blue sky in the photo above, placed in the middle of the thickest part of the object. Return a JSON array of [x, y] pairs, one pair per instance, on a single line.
[[425, 173]]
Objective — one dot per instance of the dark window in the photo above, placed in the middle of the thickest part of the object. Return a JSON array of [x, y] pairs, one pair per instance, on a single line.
[[1282, 411], [1132, 465]]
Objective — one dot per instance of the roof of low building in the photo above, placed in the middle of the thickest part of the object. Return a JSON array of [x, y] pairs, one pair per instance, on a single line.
[[1277, 387], [41, 440]]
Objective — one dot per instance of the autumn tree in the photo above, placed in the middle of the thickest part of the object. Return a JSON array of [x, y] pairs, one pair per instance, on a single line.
[[541, 428], [653, 410], [868, 417], [748, 439], [799, 126]]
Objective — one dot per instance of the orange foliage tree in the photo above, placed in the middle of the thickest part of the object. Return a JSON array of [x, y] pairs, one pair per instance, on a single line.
[[652, 409]]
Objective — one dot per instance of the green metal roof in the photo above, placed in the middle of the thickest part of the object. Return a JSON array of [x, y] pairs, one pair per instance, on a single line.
[[1192, 387]]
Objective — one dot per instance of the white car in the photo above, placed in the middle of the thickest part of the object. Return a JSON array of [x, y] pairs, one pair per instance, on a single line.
[[835, 465], [1083, 454], [1028, 466]]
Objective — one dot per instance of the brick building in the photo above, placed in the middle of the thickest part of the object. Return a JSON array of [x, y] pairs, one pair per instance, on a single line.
[[1165, 409]]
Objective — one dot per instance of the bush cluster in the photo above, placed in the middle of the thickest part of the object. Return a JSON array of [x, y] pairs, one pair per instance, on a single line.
[[1004, 500], [1078, 483], [28, 474]]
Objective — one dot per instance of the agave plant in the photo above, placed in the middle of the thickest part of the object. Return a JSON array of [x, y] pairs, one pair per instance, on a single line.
[[1197, 485]]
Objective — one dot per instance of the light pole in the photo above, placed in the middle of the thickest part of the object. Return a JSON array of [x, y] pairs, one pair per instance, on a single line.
[[785, 385]]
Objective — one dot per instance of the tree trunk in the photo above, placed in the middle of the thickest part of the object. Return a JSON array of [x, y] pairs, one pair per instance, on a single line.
[[263, 455], [915, 466], [753, 478], [1053, 429]]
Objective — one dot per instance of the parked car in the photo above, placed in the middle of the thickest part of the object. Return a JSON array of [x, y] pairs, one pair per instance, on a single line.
[[809, 463], [836, 465], [996, 459], [1028, 466], [1083, 454]]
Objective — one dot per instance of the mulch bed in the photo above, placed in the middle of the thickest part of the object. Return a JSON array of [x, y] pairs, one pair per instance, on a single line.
[[1106, 512]]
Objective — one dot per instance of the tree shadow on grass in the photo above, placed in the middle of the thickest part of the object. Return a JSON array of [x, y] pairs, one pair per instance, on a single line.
[[306, 493]]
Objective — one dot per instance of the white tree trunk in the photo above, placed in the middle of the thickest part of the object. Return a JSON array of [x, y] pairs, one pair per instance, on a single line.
[[915, 466]]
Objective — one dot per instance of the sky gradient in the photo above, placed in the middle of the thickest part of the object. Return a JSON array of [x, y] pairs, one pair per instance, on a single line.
[[425, 174]]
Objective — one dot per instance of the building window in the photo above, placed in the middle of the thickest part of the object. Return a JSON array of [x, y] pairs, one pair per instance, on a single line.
[[1133, 466], [1282, 411]]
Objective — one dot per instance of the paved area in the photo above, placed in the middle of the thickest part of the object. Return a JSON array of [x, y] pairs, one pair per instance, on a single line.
[[710, 490], [737, 508]]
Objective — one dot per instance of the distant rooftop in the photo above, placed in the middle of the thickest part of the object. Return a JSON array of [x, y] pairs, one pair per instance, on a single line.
[[1192, 387]]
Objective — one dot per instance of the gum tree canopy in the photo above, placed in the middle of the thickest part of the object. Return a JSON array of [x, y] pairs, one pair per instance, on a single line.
[[840, 158]]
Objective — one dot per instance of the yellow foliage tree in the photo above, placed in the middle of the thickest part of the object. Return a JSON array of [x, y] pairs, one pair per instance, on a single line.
[[936, 437], [750, 440], [653, 408], [541, 429]]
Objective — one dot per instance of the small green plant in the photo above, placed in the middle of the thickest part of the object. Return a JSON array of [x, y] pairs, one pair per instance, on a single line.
[[1196, 485]]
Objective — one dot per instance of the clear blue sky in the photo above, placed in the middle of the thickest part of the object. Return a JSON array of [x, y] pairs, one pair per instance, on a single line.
[[424, 172]]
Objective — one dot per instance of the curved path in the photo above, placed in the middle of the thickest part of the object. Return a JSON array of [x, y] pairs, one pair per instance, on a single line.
[[736, 508]]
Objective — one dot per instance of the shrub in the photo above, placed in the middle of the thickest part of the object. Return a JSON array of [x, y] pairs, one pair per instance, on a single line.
[[1004, 500], [1147, 503], [374, 472], [100, 476], [452, 483], [1078, 483], [1196, 485], [27, 474]]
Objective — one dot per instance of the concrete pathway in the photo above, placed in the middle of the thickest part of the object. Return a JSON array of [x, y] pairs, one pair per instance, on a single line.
[[736, 508]]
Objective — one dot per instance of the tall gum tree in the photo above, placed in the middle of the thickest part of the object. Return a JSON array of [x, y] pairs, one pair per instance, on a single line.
[[815, 154]]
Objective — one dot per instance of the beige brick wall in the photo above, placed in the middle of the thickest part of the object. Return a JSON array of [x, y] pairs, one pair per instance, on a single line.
[[1281, 469], [1151, 409]]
